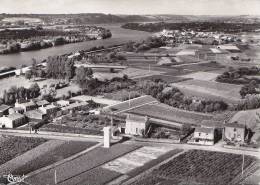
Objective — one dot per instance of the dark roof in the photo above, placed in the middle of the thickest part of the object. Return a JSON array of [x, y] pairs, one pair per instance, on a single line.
[[204, 130], [33, 113], [15, 116], [168, 113], [42, 102], [234, 125], [137, 118], [134, 103], [4, 107], [212, 123]]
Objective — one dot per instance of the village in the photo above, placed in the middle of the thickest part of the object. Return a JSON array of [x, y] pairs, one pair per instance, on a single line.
[[136, 113]]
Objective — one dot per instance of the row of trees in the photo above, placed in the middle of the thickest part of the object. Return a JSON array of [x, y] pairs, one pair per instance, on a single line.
[[20, 93], [239, 76], [60, 67], [176, 98], [149, 43]]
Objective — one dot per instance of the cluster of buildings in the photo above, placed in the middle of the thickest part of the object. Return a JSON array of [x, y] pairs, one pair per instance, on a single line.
[[35, 111], [143, 112], [189, 37]]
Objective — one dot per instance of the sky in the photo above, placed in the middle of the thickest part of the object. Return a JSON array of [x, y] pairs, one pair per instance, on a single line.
[[178, 7]]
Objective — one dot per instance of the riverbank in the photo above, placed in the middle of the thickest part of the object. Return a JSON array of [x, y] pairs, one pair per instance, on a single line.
[[120, 36]]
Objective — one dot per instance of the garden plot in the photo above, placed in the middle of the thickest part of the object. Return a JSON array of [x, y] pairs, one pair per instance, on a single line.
[[135, 159], [210, 90], [205, 76]]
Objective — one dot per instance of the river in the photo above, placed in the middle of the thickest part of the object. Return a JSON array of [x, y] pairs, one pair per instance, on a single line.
[[119, 35]]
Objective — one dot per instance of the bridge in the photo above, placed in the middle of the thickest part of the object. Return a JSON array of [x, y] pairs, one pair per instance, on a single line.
[[98, 66]]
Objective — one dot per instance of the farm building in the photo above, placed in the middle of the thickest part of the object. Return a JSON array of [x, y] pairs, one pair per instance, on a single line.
[[16, 110], [73, 107], [49, 110], [230, 48], [26, 106], [205, 54], [35, 115], [136, 125], [13, 120], [203, 136], [235, 132], [158, 114], [42, 103], [98, 99], [130, 104], [4, 109], [62, 103]]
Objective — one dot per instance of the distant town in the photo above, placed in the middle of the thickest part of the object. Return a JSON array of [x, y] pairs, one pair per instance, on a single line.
[[179, 105]]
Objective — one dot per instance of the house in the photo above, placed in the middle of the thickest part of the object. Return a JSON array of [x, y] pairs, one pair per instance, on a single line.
[[49, 110], [62, 103], [234, 132], [4, 109], [26, 106], [16, 110], [136, 125], [203, 136], [73, 107], [42, 103], [205, 54], [13, 120], [230, 48], [35, 115]]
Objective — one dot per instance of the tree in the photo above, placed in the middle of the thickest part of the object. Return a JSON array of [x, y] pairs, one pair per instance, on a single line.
[[83, 74], [28, 74]]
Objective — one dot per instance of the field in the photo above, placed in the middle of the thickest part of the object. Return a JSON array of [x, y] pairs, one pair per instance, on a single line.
[[71, 171], [59, 153], [210, 90], [197, 167], [7, 83], [29, 156], [11, 146], [205, 76]]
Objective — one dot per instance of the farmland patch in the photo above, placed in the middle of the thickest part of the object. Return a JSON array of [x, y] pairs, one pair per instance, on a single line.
[[198, 167]]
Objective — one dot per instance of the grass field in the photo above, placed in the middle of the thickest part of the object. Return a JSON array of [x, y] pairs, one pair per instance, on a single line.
[[197, 167], [72, 170], [12, 146], [210, 90]]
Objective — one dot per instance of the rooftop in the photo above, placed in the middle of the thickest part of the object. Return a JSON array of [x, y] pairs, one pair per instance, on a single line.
[[42, 102], [74, 105], [131, 104], [137, 118], [4, 107], [168, 113], [204, 130], [234, 125], [15, 116]]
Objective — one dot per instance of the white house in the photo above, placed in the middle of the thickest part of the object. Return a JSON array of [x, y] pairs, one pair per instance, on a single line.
[[203, 136], [13, 120], [136, 125], [26, 106]]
